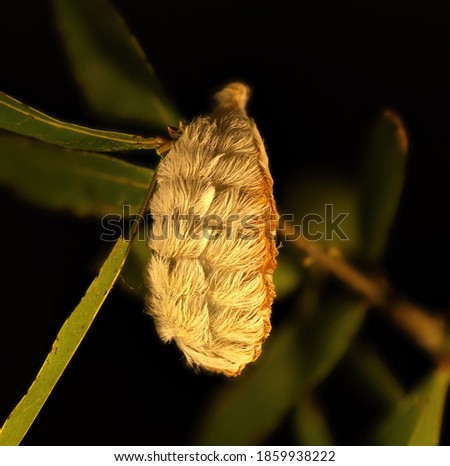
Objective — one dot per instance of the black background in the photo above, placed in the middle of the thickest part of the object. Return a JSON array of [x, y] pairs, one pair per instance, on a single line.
[[320, 71]]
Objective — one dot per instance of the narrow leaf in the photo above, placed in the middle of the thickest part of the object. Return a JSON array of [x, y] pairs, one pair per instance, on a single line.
[[373, 377], [132, 278], [65, 345], [118, 83], [382, 177], [326, 206], [22, 119], [249, 408], [328, 335], [84, 183], [310, 424], [294, 359], [417, 419], [287, 276]]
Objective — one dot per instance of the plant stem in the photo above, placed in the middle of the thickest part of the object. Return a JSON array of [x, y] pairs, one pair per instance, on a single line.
[[427, 330]]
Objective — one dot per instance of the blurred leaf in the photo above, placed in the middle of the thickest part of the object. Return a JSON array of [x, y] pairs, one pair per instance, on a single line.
[[85, 183], [310, 425], [372, 376], [294, 359], [307, 195], [250, 407], [382, 177], [287, 275], [119, 84], [64, 347], [22, 119], [417, 419], [328, 334]]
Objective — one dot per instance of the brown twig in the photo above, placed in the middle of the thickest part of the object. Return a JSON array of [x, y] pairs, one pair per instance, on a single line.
[[426, 329]]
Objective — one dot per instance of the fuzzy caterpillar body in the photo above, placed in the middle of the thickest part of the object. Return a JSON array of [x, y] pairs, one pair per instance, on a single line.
[[211, 290]]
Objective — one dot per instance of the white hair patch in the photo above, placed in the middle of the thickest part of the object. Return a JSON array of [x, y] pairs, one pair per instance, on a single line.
[[210, 285]]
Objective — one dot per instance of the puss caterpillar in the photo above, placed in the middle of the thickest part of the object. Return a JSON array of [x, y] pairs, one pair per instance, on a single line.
[[210, 277]]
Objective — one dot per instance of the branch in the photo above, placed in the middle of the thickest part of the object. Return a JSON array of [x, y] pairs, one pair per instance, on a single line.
[[427, 330]]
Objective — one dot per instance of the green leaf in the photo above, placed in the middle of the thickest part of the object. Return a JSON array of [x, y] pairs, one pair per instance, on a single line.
[[118, 83], [65, 345], [310, 424], [250, 407], [383, 172], [372, 376], [328, 335], [287, 275], [84, 183], [294, 359], [317, 199], [417, 419], [22, 119]]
